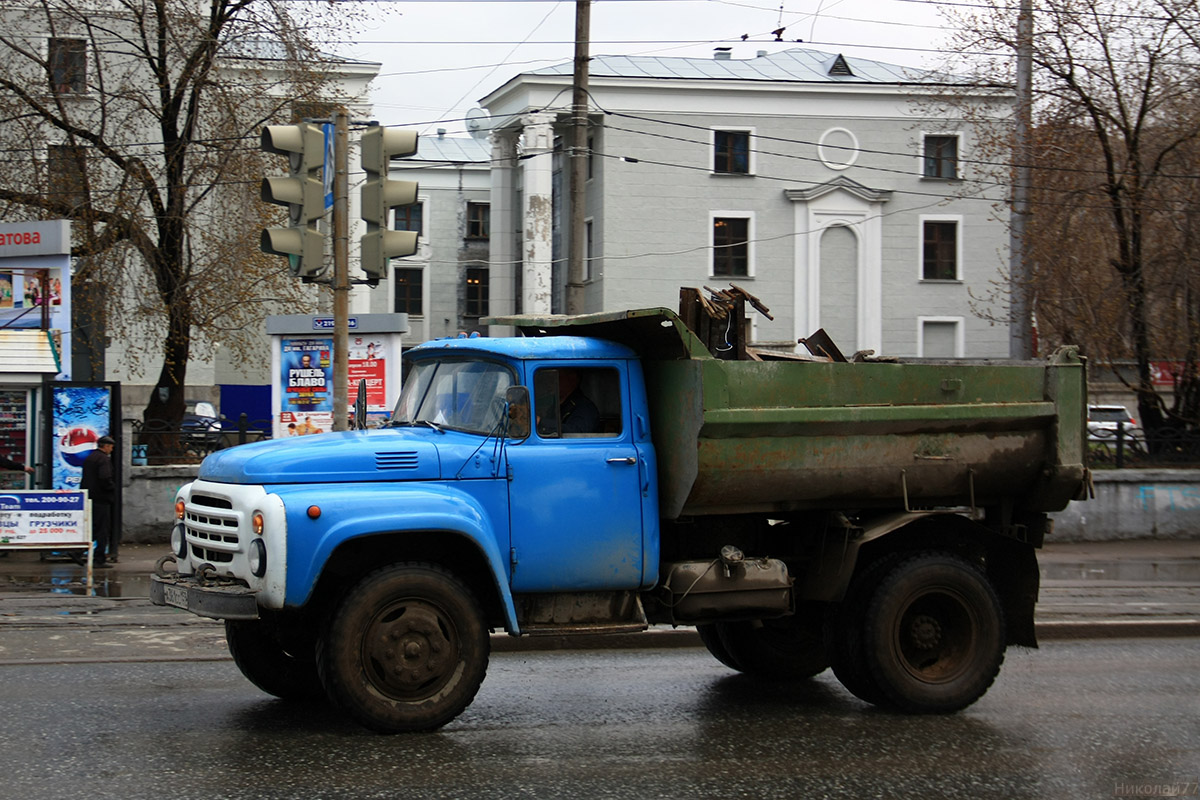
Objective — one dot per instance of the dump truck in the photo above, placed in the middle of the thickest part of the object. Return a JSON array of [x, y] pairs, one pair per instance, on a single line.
[[620, 471]]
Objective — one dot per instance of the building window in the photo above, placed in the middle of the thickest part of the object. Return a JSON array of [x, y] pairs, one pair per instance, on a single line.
[[731, 152], [941, 157], [939, 255], [940, 337], [587, 251], [731, 246], [66, 170], [477, 292], [479, 220], [408, 218], [408, 283], [68, 65]]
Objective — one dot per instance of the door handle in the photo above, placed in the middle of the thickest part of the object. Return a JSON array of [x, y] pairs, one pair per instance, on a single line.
[[626, 460]]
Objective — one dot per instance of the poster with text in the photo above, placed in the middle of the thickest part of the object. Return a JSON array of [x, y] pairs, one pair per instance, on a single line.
[[368, 362], [307, 382]]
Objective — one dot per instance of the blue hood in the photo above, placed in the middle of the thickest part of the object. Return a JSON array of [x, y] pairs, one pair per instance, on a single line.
[[391, 454]]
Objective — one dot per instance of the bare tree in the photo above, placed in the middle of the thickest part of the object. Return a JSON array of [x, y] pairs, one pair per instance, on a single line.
[[1115, 110], [138, 120]]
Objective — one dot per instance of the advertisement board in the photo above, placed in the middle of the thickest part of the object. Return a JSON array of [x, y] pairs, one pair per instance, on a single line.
[[41, 519], [80, 413]]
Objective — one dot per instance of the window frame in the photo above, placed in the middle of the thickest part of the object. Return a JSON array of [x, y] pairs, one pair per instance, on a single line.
[[713, 217], [926, 159], [470, 221], [71, 84], [422, 206], [934, 219], [716, 152], [420, 294], [482, 298], [960, 335]]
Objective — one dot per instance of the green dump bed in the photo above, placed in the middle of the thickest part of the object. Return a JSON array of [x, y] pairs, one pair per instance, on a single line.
[[742, 436]]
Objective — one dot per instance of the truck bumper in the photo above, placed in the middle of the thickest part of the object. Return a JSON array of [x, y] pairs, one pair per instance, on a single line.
[[220, 601]]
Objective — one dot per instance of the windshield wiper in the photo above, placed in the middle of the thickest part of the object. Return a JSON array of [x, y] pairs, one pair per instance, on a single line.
[[430, 423]]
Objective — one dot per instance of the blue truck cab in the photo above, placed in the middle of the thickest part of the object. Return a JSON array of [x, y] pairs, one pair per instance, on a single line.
[[518, 470]]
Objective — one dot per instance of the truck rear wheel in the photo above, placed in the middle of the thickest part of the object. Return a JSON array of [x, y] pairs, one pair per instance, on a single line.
[[711, 638], [405, 650], [287, 673], [788, 648], [844, 633], [934, 634]]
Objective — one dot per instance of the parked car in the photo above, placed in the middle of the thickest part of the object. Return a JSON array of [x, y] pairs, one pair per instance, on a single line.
[[1103, 422], [201, 426]]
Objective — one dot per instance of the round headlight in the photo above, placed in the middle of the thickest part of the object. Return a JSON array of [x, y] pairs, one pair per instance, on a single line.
[[258, 558], [178, 541]]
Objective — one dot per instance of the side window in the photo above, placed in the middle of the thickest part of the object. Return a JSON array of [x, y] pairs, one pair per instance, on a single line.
[[576, 402]]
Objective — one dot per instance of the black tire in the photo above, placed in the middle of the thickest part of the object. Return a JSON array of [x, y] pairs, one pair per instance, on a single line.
[[269, 665], [406, 649], [934, 635], [712, 640], [844, 633], [788, 648]]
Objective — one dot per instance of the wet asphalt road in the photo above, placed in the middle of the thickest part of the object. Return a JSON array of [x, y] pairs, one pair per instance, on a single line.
[[1073, 720]]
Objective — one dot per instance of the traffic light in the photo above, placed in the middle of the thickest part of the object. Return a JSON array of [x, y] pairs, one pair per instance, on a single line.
[[303, 192], [379, 195]]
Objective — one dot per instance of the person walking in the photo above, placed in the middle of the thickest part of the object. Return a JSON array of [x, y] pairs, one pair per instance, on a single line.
[[101, 488]]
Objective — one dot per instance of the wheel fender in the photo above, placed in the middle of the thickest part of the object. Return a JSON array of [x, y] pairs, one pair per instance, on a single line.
[[352, 511]]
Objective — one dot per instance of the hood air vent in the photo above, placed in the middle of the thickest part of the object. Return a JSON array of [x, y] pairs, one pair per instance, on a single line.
[[402, 459]]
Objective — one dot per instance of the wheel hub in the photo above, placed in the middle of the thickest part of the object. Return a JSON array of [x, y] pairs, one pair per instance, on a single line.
[[925, 632], [412, 653]]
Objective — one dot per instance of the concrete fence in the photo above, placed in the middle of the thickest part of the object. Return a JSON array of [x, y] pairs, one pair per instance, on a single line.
[[1129, 504], [1135, 504]]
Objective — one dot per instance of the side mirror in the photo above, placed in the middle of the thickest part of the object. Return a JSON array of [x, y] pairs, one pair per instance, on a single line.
[[517, 398]]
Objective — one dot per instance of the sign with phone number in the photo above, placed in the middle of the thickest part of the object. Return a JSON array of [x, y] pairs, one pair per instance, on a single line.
[[44, 519]]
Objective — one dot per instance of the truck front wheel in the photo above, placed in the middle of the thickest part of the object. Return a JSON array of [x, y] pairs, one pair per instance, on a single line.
[[405, 650], [934, 634]]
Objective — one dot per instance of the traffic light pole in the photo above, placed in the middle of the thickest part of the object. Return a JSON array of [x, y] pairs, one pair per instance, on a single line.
[[341, 268]]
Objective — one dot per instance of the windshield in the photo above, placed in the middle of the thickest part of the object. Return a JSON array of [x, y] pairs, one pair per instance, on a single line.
[[460, 395], [1109, 415]]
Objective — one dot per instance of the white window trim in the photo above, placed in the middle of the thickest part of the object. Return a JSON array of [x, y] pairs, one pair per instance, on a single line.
[[960, 335], [752, 165], [87, 52], [750, 236], [958, 172], [958, 247]]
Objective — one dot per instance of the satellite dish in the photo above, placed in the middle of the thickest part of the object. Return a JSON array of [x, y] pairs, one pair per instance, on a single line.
[[479, 123]]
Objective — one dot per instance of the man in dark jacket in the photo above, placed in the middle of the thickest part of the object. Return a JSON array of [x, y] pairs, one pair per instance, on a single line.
[[98, 481]]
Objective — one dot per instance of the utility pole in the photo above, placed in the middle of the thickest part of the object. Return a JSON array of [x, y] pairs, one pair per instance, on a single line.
[[341, 268], [1020, 330], [576, 272]]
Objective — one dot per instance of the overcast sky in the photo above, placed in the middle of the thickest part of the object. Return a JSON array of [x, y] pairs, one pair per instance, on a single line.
[[440, 57]]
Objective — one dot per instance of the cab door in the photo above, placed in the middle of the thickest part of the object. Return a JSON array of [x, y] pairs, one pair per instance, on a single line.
[[575, 496]]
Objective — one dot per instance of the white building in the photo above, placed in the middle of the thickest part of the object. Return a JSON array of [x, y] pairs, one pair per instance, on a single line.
[[824, 185]]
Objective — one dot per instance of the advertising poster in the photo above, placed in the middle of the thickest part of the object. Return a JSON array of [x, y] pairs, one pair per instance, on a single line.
[[307, 381], [43, 519], [79, 416], [368, 362]]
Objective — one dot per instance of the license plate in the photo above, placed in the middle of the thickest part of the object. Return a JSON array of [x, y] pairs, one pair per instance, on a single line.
[[175, 595]]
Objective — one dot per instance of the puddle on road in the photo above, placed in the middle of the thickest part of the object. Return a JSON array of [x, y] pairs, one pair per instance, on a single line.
[[70, 580]]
